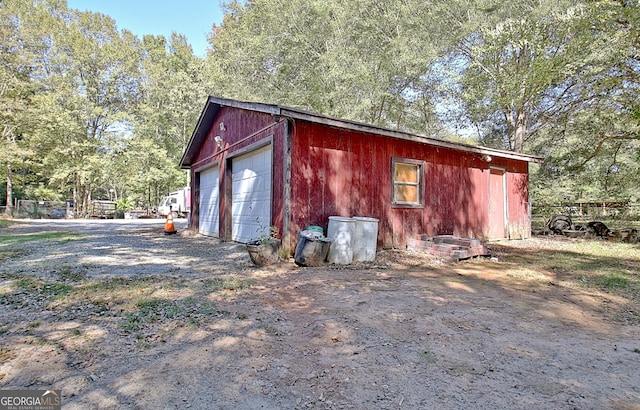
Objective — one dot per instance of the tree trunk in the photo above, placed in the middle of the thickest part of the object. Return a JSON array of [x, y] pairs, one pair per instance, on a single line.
[[76, 201], [520, 131], [81, 197], [516, 120], [9, 208]]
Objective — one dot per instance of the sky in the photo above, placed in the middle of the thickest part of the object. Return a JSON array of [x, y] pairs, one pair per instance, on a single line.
[[193, 18]]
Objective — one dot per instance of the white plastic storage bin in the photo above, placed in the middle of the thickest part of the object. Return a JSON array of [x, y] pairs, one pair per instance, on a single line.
[[341, 232], [365, 239]]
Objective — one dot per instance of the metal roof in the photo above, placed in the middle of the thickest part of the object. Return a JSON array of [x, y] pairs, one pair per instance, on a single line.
[[214, 104]]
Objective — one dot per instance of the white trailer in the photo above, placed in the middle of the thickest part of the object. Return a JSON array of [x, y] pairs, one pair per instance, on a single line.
[[178, 202]]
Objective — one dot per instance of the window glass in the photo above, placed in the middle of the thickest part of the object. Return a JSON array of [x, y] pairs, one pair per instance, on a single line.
[[406, 172], [406, 193]]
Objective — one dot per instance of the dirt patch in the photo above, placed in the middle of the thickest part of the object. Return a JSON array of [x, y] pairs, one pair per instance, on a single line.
[[131, 318]]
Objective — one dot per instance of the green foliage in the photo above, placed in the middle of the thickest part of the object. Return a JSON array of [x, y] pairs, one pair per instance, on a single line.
[[125, 204], [18, 50], [362, 60], [615, 281], [87, 109], [150, 311], [28, 289], [84, 92], [556, 79], [43, 193], [32, 237], [173, 96], [268, 237]]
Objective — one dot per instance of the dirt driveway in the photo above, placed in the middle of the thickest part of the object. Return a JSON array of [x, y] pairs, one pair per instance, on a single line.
[[119, 315]]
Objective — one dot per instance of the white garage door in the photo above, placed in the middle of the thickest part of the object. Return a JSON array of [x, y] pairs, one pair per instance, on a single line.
[[251, 198], [209, 203]]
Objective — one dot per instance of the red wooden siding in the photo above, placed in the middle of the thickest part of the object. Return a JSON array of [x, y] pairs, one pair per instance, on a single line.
[[348, 173], [242, 130], [337, 171], [518, 213]]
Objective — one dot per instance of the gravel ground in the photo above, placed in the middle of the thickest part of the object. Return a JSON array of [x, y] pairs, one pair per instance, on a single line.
[[120, 315]]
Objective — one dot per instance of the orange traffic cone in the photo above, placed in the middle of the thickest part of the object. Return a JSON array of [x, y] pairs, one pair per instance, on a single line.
[[168, 225]]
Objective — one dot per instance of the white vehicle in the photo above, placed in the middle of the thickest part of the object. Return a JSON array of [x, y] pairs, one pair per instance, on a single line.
[[178, 202]]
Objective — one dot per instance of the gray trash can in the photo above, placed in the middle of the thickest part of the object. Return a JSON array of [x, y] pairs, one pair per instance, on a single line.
[[311, 250]]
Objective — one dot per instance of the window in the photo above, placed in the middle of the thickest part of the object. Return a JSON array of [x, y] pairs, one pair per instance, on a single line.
[[408, 183]]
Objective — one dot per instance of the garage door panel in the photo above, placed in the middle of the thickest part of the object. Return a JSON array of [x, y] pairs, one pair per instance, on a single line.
[[209, 221], [251, 195]]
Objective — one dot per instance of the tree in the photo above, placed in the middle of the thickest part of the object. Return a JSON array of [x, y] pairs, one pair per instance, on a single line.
[[19, 40], [517, 74], [91, 79], [360, 60], [553, 79], [172, 95], [597, 142], [86, 108]]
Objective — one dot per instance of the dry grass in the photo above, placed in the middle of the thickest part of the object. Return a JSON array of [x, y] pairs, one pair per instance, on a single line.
[[151, 303], [610, 268], [134, 305]]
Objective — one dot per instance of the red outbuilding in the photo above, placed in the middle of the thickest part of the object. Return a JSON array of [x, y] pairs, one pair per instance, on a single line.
[[254, 166]]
